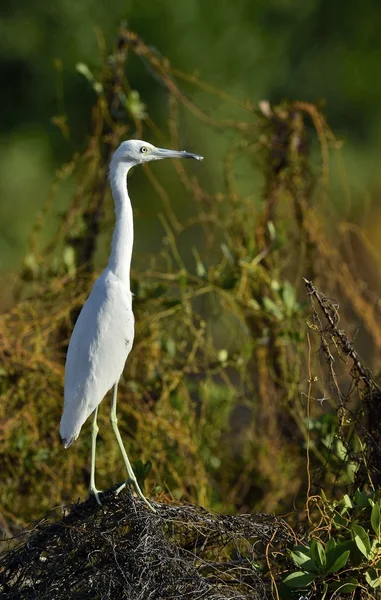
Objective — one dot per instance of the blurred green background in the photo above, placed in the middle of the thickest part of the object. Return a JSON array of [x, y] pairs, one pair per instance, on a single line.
[[262, 49]]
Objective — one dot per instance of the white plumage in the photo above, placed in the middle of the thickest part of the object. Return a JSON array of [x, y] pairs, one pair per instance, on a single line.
[[96, 354], [103, 334]]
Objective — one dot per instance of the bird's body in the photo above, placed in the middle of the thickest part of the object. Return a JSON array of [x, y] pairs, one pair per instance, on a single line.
[[91, 367], [103, 334]]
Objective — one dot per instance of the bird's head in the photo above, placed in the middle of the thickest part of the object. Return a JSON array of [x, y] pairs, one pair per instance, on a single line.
[[135, 152]]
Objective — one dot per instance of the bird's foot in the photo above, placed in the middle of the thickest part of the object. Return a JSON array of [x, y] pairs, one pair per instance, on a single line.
[[121, 487], [134, 484], [94, 492]]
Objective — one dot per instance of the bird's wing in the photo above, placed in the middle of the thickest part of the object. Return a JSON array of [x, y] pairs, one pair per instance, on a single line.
[[101, 341]]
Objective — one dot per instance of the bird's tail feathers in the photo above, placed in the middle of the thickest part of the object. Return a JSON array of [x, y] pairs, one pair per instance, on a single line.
[[66, 442], [66, 431]]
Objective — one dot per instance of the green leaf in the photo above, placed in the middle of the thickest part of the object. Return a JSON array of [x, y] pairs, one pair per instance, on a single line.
[[299, 579], [301, 559], [200, 269], [375, 518], [275, 285], [271, 229], [142, 470], [254, 304], [84, 70], [289, 297], [337, 559], [372, 578], [361, 499], [375, 549], [339, 521], [347, 501], [330, 545], [321, 553], [227, 254], [273, 308], [170, 346], [31, 266], [135, 106], [317, 553], [361, 540], [223, 355], [341, 450], [147, 467]]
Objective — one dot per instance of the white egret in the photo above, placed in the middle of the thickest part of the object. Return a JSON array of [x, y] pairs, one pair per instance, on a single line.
[[103, 334]]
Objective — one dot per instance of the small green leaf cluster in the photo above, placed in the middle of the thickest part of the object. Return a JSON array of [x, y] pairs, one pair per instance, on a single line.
[[347, 554], [85, 71], [142, 471], [285, 304]]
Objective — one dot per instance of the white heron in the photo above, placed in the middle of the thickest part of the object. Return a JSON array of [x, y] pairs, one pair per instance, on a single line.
[[104, 332]]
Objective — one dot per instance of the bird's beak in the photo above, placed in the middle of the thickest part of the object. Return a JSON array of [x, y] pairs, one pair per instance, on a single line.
[[163, 153]]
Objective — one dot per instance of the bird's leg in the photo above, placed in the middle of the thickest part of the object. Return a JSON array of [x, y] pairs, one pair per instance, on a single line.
[[94, 433], [131, 474]]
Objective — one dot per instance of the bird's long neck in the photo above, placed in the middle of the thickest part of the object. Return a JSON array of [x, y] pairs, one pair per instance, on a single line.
[[123, 236]]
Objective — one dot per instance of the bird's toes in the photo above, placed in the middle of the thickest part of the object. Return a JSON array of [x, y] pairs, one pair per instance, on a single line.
[[94, 492], [129, 482]]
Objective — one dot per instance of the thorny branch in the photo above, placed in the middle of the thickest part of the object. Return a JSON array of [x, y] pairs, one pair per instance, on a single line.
[[364, 419], [330, 311]]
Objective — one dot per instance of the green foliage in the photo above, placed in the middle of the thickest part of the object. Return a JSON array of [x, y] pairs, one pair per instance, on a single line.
[[346, 554], [142, 471]]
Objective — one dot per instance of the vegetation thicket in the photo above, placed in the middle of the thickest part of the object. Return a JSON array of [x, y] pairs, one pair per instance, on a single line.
[[241, 393]]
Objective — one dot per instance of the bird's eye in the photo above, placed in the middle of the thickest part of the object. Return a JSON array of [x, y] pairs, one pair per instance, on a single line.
[[144, 149]]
